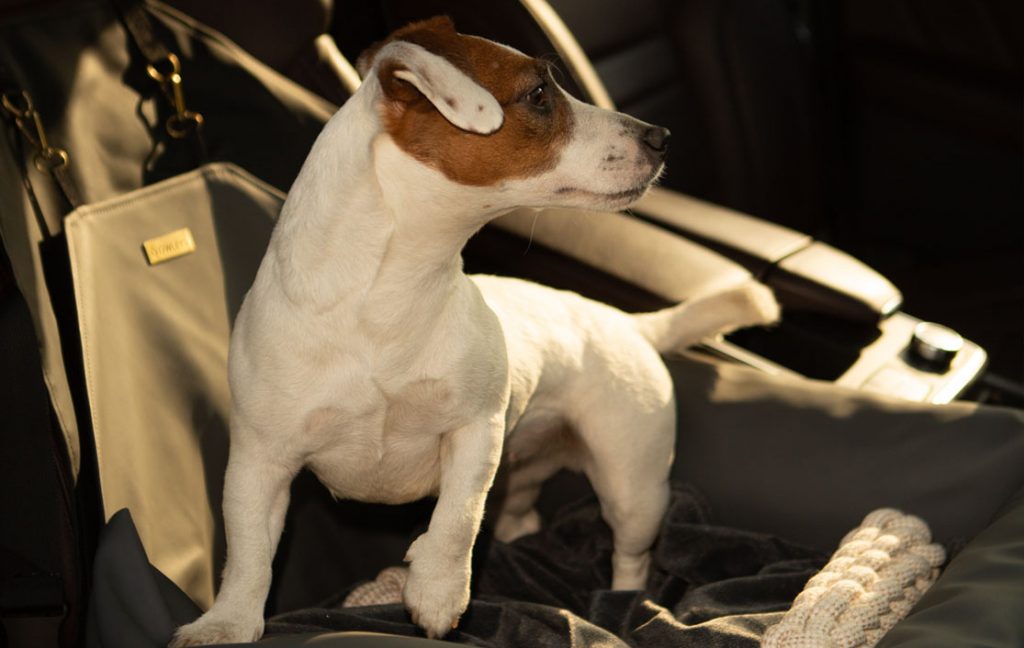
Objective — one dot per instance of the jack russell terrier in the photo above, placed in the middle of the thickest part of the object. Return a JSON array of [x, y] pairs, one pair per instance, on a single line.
[[365, 353]]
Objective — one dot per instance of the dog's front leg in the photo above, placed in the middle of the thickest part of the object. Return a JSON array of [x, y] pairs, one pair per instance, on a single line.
[[255, 502], [437, 591]]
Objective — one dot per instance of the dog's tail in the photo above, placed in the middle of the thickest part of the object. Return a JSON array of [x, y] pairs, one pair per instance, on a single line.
[[685, 324]]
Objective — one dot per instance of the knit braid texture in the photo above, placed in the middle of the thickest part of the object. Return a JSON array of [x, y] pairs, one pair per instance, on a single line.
[[878, 573]]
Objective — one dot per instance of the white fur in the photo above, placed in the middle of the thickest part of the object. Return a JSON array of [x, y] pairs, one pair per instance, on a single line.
[[365, 353]]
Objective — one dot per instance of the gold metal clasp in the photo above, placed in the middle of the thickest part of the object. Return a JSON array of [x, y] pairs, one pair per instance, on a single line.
[[183, 121], [26, 118]]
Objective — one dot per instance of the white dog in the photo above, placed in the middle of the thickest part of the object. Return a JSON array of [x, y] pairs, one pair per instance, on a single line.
[[365, 353]]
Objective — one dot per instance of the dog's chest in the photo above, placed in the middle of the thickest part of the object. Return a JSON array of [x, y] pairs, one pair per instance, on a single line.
[[388, 448]]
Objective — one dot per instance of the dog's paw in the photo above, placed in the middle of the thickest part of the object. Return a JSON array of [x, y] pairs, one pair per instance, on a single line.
[[216, 630], [437, 590], [436, 599]]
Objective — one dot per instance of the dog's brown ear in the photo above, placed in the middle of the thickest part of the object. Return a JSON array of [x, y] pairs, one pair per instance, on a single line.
[[393, 86], [408, 73], [439, 25]]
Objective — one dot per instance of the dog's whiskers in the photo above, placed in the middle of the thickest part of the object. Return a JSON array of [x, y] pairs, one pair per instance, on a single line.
[[533, 226]]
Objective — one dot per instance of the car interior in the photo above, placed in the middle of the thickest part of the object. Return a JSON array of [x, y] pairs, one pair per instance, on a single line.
[[863, 159]]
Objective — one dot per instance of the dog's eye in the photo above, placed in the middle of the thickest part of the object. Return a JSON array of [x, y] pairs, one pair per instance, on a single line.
[[538, 97]]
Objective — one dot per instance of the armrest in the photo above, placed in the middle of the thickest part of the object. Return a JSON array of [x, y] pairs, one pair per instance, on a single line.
[[667, 265], [806, 274]]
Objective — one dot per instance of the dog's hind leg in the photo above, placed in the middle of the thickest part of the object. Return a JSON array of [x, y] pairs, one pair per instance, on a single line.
[[256, 492], [630, 477], [516, 515]]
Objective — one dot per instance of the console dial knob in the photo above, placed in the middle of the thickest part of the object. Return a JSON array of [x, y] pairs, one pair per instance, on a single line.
[[935, 345]]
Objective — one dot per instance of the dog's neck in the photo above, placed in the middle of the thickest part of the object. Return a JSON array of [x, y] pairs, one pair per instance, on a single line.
[[365, 220]]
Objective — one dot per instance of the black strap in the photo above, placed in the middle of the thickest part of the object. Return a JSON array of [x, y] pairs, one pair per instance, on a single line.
[[24, 123], [17, 152], [68, 187], [140, 27], [163, 65]]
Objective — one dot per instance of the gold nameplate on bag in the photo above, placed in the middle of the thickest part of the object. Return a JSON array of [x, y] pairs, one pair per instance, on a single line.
[[169, 246]]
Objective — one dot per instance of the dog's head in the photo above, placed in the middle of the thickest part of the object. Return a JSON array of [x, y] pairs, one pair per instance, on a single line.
[[486, 115]]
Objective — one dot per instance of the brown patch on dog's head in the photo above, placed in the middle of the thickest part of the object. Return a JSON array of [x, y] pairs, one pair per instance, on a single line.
[[537, 116]]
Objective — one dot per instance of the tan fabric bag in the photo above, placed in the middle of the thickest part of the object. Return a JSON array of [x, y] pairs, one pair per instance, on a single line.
[[154, 342]]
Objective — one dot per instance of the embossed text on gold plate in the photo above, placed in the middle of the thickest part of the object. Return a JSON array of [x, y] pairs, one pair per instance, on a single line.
[[169, 246]]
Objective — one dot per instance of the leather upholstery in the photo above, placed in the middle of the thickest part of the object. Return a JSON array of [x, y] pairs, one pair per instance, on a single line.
[[727, 79]]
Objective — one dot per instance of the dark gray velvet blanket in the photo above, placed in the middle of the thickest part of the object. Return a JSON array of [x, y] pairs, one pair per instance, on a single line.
[[709, 586]]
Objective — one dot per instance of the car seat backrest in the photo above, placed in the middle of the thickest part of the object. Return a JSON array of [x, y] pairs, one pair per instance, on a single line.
[[287, 36], [726, 78], [274, 32]]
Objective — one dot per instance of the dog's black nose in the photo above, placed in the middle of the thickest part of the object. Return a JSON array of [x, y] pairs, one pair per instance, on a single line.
[[656, 138]]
